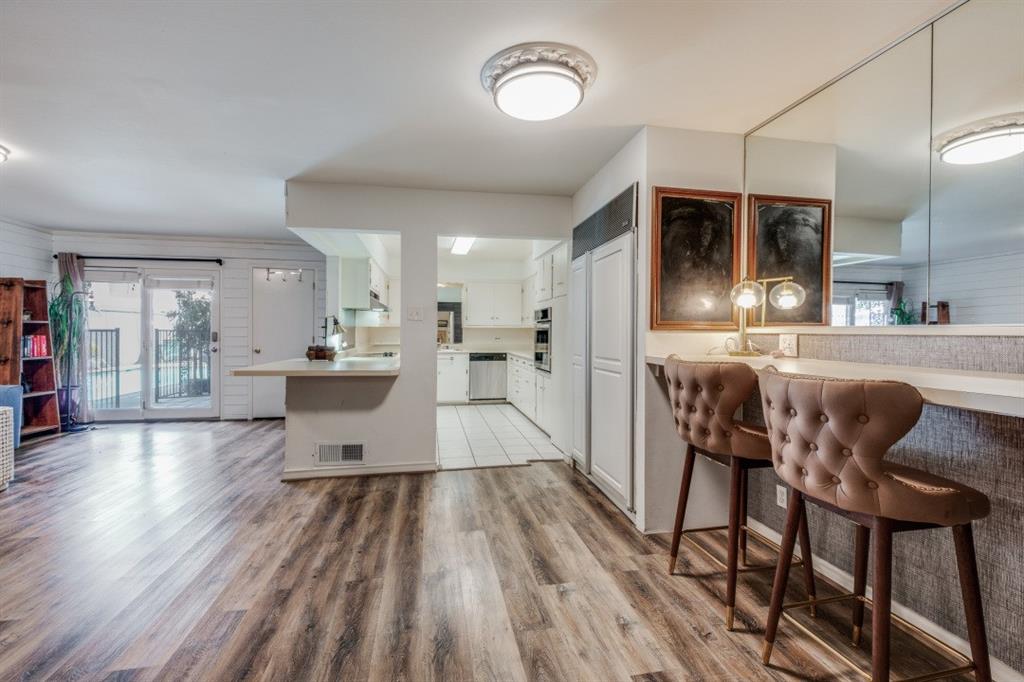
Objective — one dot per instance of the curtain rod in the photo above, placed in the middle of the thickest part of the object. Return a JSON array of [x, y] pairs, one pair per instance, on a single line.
[[218, 261]]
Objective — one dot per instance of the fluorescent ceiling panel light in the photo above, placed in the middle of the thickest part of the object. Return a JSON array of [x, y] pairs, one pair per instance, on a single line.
[[462, 245]]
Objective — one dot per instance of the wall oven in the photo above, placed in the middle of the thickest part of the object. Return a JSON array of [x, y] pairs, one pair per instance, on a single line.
[[542, 339]]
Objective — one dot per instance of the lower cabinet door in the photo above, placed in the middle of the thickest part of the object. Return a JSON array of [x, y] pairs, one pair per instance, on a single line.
[[453, 378]]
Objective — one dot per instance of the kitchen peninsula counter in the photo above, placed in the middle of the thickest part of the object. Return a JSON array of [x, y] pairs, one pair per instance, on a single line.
[[338, 368]]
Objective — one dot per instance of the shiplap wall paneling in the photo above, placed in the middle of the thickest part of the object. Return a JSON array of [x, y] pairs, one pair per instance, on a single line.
[[25, 252]]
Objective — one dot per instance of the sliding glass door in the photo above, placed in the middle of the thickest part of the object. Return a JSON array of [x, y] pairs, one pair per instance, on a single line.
[[153, 351], [181, 361]]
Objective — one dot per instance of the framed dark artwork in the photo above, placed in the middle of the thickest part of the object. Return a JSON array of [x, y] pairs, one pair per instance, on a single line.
[[792, 237], [695, 258]]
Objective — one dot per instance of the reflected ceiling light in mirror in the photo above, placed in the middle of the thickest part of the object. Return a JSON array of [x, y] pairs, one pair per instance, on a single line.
[[990, 139], [462, 245], [747, 294], [787, 295], [538, 81]]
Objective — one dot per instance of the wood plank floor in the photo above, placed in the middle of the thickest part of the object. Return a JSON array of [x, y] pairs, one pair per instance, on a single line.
[[172, 551]]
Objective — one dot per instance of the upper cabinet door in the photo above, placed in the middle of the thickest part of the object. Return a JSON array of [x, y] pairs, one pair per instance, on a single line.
[[544, 277], [507, 304], [479, 304], [529, 300], [560, 271]]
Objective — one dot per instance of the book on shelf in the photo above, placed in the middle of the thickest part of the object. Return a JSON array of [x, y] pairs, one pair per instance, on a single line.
[[34, 346]]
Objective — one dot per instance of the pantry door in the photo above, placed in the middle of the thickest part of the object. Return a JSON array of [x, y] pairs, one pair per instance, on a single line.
[[283, 325]]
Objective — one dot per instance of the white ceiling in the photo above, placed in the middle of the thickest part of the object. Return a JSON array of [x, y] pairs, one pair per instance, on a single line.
[[187, 118]]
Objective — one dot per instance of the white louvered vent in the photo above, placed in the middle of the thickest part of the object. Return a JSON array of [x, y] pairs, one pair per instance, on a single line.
[[338, 454]]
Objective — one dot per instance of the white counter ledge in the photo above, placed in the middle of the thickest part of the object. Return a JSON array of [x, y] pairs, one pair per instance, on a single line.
[[995, 392], [340, 368]]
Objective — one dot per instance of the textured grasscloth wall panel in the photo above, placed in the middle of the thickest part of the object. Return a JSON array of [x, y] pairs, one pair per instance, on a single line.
[[982, 450]]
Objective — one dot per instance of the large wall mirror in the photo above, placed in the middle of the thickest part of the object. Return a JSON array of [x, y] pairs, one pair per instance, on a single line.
[[927, 221]]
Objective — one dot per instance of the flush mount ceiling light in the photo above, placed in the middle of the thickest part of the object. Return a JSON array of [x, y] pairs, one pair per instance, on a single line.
[[4, 153], [462, 245], [538, 81], [990, 139]]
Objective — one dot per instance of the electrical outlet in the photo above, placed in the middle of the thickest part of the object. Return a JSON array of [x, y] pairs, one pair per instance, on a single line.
[[788, 345], [780, 496]]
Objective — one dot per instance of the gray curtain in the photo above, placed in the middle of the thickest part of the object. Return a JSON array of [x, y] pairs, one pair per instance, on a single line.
[[895, 292], [70, 265]]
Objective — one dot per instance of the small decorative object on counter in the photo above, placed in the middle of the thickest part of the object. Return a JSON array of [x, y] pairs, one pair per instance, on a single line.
[[320, 353]]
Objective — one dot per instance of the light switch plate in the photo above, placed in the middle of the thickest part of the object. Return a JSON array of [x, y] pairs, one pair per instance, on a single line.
[[415, 314], [780, 496], [788, 345]]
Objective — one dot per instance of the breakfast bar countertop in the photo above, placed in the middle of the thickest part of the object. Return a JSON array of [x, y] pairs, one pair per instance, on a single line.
[[996, 392], [339, 368]]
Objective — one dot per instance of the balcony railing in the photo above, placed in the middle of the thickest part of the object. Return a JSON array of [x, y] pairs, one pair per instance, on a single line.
[[105, 368], [180, 371]]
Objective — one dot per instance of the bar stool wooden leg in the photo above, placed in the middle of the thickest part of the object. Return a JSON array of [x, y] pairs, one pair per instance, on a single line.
[[684, 494], [970, 588], [735, 485], [743, 516], [881, 600], [805, 555], [789, 533], [860, 577]]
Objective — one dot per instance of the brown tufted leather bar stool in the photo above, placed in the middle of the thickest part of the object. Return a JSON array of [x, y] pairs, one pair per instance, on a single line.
[[704, 397], [829, 440]]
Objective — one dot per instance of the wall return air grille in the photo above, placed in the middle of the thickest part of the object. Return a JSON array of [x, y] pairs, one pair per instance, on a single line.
[[338, 454]]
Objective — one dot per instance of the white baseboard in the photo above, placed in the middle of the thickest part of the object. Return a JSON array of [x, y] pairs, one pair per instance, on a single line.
[[302, 473], [1000, 671]]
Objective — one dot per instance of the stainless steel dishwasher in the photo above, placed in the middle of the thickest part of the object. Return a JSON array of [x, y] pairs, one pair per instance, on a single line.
[[487, 377]]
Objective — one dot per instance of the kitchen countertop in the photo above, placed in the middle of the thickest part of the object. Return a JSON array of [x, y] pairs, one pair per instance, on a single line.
[[339, 368], [996, 392]]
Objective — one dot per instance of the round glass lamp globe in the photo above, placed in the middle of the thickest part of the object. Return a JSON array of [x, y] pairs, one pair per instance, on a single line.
[[984, 147], [538, 92], [747, 294], [787, 295]]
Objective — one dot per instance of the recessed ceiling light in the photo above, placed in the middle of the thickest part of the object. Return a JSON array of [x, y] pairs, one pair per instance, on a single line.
[[538, 81], [4, 153], [462, 245], [983, 141]]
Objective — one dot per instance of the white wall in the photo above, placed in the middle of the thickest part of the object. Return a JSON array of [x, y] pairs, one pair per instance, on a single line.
[[676, 158], [240, 257], [421, 216], [25, 251]]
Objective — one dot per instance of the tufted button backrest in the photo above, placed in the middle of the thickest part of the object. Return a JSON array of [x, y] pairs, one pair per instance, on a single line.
[[829, 436], [704, 397]]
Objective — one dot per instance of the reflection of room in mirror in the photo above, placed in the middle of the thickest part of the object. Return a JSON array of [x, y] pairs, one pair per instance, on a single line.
[[901, 253]]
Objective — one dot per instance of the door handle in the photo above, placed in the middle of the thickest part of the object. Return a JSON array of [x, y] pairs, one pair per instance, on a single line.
[[257, 350], [213, 350]]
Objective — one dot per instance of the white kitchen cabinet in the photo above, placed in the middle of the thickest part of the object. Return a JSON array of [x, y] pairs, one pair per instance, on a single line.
[[452, 377], [393, 317], [378, 281], [560, 270], [542, 402], [529, 299], [544, 278], [493, 304]]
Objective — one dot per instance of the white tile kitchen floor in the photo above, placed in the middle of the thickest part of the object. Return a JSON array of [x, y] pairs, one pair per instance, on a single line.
[[472, 436]]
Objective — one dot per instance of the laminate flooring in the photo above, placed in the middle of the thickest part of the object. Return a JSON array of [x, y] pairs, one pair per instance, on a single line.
[[172, 551]]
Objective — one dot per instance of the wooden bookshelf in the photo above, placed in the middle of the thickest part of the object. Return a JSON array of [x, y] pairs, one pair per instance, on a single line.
[[24, 312]]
